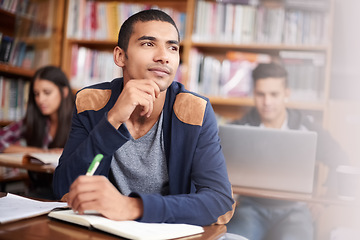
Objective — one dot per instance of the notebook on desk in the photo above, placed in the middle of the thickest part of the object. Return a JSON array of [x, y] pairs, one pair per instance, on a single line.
[[269, 158]]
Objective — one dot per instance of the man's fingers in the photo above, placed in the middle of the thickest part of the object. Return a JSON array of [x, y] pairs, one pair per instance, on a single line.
[[83, 201], [82, 185], [147, 85], [148, 105], [136, 93]]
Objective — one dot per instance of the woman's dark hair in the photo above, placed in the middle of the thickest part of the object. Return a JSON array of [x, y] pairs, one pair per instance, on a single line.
[[36, 122], [142, 16]]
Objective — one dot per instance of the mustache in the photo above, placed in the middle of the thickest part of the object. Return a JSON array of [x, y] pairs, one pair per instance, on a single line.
[[161, 68]]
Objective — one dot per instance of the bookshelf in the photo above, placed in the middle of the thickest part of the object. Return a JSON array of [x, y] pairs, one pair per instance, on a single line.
[[31, 35], [211, 40], [302, 43]]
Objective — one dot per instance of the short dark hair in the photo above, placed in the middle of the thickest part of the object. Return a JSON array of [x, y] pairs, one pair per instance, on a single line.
[[142, 16], [269, 70]]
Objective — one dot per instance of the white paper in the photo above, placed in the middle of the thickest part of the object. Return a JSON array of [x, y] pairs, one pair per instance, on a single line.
[[14, 207]]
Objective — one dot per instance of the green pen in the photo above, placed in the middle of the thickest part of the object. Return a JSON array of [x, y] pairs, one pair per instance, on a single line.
[[94, 165]]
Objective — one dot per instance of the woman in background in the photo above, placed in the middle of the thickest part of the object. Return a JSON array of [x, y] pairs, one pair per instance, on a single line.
[[48, 116], [47, 122]]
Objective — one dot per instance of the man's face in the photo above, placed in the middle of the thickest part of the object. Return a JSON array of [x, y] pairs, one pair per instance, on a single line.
[[153, 53], [270, 95]]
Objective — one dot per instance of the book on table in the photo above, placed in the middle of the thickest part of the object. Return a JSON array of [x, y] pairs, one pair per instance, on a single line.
[[127, 229], [33, 158]]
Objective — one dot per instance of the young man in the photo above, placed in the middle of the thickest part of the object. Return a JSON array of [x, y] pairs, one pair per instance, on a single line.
[[162, 156], [258, 218]]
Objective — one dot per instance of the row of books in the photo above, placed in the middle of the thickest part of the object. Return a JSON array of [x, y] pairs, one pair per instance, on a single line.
[[306, 74], [13, 98], [14, 6], [89, 66], [102, 20], [263, 24], [32, 17], [37, 21], [15, 52], [231, 77], [18, 53]]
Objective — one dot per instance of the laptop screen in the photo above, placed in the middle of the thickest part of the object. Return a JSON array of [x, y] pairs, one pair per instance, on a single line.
[[269, 158]]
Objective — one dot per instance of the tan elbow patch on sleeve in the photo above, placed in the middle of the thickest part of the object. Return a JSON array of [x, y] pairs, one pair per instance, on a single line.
[[225, 218], [189, 108], [92, 99]]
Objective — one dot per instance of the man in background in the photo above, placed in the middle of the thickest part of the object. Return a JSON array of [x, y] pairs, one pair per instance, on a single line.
[[258, 218]]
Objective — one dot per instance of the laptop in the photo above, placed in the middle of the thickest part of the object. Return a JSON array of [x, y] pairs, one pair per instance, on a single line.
[[269, 158]]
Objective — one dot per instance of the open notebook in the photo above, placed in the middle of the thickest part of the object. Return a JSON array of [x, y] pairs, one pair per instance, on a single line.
[[128, 229]]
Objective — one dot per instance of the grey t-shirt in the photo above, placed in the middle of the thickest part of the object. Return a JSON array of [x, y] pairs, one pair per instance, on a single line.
[[140, 164]]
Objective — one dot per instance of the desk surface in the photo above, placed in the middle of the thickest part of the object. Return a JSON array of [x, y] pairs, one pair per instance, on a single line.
[[29, 166], [44, 228], [292, 196]]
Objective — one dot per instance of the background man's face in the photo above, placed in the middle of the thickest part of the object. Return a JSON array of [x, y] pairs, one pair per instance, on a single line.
[[270, 95]]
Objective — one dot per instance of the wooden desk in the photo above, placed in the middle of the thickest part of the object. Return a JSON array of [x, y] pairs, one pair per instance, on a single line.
[[44, 228], [292, 196], [27, 166]]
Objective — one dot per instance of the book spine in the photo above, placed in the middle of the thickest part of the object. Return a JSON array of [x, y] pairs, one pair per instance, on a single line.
[[13, 91], [5, 48]]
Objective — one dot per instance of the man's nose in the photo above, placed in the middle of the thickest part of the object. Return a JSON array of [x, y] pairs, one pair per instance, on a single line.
[[162, 54], [267, 100]]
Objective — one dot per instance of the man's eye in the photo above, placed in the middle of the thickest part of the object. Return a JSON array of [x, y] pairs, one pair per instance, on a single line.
[[149, 44], [174, 48]]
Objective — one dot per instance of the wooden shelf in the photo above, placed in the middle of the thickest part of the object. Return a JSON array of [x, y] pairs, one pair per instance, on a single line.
[[8, 18], [8, 69], [36, 40], [256, 46], [6, 14], [93, 43]]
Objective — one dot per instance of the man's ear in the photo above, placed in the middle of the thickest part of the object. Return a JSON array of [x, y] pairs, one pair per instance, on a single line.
[[119, 56]]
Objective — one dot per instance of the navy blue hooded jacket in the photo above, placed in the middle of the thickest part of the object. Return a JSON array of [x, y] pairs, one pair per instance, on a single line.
[[199, 189]]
